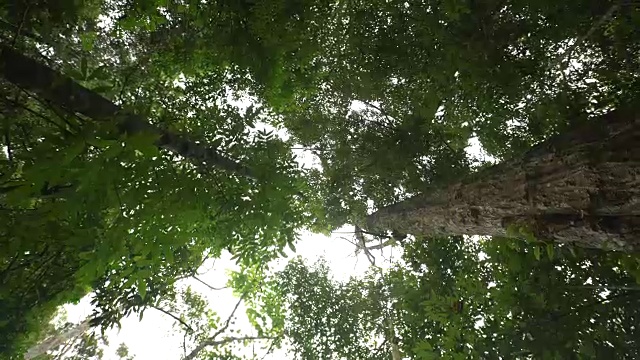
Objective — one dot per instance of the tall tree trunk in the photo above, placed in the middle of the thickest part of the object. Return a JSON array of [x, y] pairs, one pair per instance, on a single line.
[[53, 342], [61, 90], [582, 186]]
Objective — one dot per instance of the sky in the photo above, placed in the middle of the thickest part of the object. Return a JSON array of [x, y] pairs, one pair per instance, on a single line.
[[155, 337]]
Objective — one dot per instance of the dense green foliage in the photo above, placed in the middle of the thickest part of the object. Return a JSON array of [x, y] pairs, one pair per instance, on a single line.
[[451, 298], [386, 93]]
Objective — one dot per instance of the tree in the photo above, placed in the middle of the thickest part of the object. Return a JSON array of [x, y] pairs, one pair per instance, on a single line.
[[427, 77], [65, 340], [92, 204], [455, 298], [103, 187], [577, 187]]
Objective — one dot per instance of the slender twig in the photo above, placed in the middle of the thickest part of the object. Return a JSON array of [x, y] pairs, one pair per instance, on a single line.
[[121, 207], [184, 345], [207, 285], [189, 328], [211, 341], [273, 343], [6, 271], [226, 340], [605, 287], [19, 27], [364, 232], [233, 312], [47, 105], [35, 113], [581, 39], [381, 111]]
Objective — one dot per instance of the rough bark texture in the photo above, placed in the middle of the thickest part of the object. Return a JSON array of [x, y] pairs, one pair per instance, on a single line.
[[64, 92], [580, 187]]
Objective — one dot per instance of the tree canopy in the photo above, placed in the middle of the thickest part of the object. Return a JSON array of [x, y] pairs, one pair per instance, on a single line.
[[141, 138]]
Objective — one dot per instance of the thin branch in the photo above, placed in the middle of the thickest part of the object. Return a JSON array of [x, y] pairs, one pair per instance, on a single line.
[[242, 338], [390, 337], [174, 317], [184, 345], [21, 25], [33, 112], [211, 341], [364, 232], [605, 287], [362, 244], [381, 111], [581, 39], [382, 245], [209, 286], [269, 349], [229, 339], [121, 207], [233, 312], [48, 105]]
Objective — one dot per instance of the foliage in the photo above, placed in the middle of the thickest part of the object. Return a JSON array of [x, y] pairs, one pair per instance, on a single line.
[[455, 298], [85, 208], [386, 94]]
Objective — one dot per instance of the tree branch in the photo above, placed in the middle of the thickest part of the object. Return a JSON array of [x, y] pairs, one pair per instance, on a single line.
[[581, 39], [211, 341], [189, 328], [207, 285], [61, 90]]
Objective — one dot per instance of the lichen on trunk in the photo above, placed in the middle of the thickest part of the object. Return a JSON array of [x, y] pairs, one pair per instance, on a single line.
[[581, 186]]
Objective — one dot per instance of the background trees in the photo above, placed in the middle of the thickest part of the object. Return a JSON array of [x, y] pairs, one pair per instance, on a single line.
[[386, 94], [457, 298]]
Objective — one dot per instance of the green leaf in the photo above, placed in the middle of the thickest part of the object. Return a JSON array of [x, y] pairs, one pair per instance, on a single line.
[[88, 39], [73, 151], [142, 287], [83, 68], [112, 150], [550, 251], [536, 252], [291, 246], [99, 73], [144, 143], [102, 88]]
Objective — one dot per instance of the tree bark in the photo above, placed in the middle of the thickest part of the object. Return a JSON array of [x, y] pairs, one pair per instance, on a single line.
[[53, 342], [582, 187], [63, 91]]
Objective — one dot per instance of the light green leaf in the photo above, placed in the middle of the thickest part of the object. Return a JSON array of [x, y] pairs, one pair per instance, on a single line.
[[142, 287], [550, 251], [536, 252]]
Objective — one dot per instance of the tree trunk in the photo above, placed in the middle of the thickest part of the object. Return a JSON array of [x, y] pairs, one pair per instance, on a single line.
[[53, 342], [582, 187], [61, 90]]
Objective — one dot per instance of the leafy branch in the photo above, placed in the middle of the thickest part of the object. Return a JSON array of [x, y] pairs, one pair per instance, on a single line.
[[211, 341]]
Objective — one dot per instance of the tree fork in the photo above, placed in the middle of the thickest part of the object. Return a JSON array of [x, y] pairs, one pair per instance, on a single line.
[[28, 74], [582, 187]]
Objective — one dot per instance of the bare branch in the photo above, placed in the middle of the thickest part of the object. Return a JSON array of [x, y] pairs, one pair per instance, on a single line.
[[211, 341], [209, 286], [189, 328], [226, 340]]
